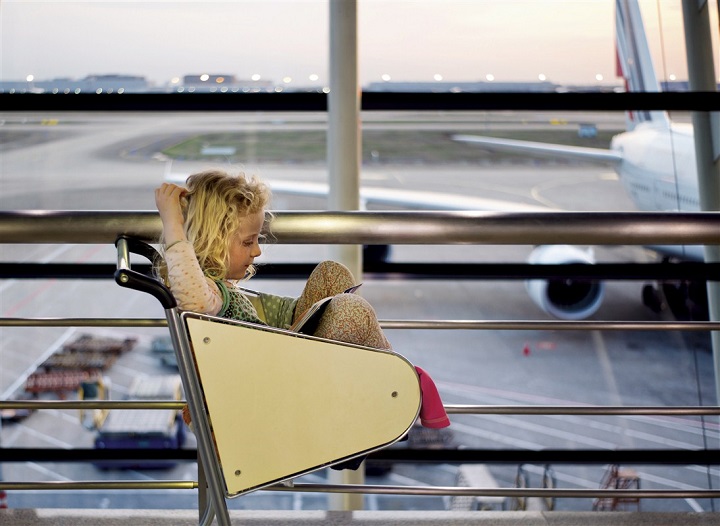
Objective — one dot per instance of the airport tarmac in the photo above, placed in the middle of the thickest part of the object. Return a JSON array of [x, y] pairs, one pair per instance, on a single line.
[[83, 170]]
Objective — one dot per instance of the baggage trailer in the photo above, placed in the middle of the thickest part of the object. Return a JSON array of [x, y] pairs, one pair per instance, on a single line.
[[58, 382], [80, 361], [143, 428], [84, 361], [93, 343], [89, 352]]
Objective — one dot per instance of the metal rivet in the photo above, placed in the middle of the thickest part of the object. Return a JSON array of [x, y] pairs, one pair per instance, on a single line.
[[206, 340], [237, 472], [124, 278], [394, 394]]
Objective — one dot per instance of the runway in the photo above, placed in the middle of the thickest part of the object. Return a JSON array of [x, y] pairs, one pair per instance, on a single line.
[[90, 165]]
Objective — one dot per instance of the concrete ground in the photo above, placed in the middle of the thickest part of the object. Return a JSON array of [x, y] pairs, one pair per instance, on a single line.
[[69, 517]]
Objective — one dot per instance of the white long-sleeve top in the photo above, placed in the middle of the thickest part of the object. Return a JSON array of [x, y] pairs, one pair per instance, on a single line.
[[193, 291]]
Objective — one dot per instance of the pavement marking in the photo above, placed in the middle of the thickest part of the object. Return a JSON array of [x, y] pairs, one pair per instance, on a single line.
[[47, 472], [609, 376], [33, 366], [662, 481], [477, 394], [553, 432], [39, 290], [43, 437], [496, 437], [714, 472], [626, 432]]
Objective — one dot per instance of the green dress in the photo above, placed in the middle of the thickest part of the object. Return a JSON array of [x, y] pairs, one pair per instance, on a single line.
[[277, 311]]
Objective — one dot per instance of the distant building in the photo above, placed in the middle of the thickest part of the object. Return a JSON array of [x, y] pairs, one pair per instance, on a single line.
[[89, 84], [128, 83], [219, 83], [461, 87], [208, 80]]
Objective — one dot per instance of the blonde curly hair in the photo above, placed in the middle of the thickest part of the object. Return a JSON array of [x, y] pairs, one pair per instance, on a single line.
[[214, 207]]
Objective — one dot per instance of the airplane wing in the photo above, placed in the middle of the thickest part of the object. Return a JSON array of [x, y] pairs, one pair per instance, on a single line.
[[407, 198], [543, 149]]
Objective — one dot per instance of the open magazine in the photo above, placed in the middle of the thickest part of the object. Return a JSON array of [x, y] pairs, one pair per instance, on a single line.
[[308, 322]]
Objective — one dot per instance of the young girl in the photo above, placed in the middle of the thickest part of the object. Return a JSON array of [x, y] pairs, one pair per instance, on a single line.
[[211, 236]]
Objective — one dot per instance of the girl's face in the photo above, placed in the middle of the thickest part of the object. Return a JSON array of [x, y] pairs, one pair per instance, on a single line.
[[245, 245]]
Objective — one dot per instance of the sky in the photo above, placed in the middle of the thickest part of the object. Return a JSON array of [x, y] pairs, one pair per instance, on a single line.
[[565, 41]]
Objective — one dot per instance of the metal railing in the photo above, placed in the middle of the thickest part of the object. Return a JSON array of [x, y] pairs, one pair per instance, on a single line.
[[397, 228]]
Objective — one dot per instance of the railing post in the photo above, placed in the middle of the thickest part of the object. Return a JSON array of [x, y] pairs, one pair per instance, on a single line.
[[701, 75], [343, 151], [344, 136]]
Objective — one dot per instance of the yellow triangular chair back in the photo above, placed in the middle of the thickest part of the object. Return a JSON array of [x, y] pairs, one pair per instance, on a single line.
[[282, 404]]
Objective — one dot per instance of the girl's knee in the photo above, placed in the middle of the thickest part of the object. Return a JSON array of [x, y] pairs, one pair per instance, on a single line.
[[352, 306], [352, 319], [333, 271]]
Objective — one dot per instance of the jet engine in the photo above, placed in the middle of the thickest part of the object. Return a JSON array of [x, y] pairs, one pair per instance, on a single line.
[[566, 299]]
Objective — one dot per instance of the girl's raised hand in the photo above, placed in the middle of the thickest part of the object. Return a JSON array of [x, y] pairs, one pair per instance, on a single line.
[[167, 200]]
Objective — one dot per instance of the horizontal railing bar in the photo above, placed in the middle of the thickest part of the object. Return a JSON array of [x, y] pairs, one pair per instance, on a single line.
[[587, 228], [91, 404], [381, 489], [499, 325], [458, 409], [372, 227], [499, 492], [382, 270], [96, 485], [370, 101], [83, 322], [96, 455], [658, 457], [550, 325]]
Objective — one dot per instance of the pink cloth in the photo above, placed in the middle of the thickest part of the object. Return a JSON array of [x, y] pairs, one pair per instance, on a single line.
[[432, 412]]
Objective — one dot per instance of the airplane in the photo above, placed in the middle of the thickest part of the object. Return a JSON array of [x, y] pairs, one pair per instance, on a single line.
[[655, 161]]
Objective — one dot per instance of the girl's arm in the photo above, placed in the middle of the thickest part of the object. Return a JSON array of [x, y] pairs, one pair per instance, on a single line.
[[192, 290]]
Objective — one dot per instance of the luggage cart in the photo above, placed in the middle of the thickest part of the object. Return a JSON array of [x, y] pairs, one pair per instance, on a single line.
[[269, 405]]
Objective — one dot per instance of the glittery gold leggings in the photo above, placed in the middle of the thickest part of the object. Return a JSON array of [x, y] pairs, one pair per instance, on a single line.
[[348, 318]]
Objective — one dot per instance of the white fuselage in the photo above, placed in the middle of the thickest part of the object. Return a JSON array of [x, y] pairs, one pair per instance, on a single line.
[[659, 172], [658, 168]]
